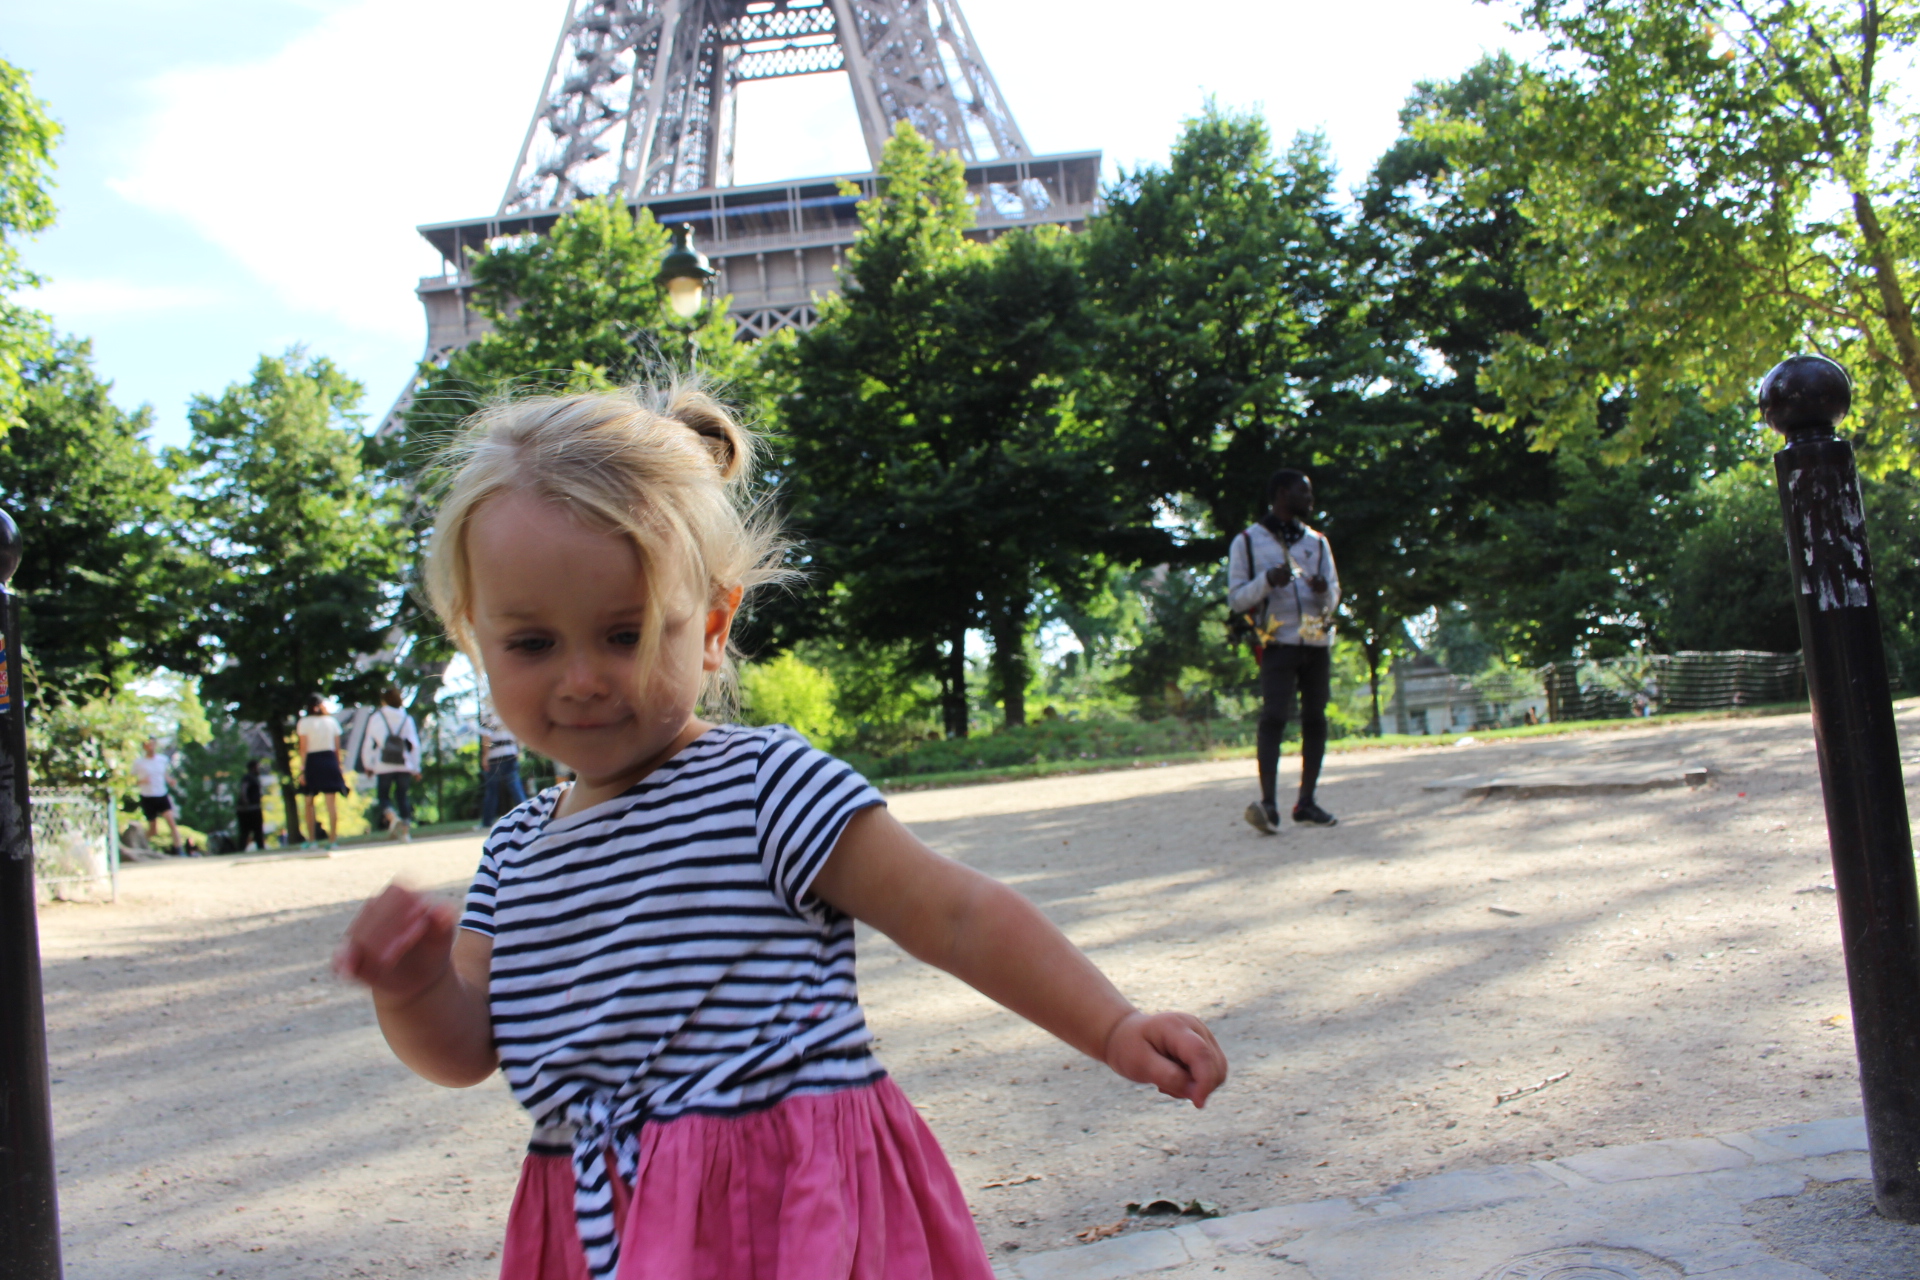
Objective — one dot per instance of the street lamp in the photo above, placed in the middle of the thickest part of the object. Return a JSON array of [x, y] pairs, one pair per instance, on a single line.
[[684, 273]]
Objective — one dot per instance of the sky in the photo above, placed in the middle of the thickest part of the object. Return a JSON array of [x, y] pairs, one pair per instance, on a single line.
[[242, 176]]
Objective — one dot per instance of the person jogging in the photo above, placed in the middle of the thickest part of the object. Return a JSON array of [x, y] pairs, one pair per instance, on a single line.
[[154, 772], [1280, 575]]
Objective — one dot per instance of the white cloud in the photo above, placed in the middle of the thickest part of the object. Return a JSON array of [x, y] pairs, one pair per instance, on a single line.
[[73, 301], [311, 167]]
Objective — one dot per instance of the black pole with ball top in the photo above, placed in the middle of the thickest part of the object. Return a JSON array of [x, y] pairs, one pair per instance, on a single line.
[[29, 1210], [1804, 398]]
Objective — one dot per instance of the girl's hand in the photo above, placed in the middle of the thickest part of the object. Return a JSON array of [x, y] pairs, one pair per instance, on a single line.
[[1173, 1052], [400, 944]]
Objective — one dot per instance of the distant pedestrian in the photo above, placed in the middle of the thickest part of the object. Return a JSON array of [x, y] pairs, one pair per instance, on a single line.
[[1280, 574], [390, 751], [499, 768], [320, 774], [249, 813], [154, 772]]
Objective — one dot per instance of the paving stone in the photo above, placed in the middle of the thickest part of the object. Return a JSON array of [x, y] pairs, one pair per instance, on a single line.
[[1128, 1255], [1466, 1187], [1820, 1138], [1655, 1160], [1241, 1232]]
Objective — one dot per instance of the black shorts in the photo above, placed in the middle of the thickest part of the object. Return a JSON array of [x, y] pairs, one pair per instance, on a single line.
[[152, 807]]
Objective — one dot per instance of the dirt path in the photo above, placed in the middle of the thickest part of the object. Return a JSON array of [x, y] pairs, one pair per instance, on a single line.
[[225, 1108]]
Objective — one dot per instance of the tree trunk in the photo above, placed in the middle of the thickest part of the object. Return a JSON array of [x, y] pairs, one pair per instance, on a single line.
[[1008, 628], [955, 700], [283, 765], [1371, 648], [1893, 298]]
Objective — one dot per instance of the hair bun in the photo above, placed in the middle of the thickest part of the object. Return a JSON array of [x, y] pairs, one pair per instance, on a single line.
[[707, 418]]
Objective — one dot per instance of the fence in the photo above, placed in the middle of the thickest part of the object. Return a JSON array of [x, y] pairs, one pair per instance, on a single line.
[[76, 855], [1685, 681]]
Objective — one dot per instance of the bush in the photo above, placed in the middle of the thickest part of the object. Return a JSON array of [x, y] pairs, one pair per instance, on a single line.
[[1052, 740], [789, 691]]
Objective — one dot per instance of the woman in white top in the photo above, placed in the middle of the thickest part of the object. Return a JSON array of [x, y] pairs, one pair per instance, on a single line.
[[154, 771], [320, 774]]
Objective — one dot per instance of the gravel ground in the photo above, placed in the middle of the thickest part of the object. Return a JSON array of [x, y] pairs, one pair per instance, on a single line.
[[1668, 959]]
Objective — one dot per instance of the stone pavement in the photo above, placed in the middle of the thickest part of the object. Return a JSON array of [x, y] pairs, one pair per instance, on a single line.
[[1789, 1203]]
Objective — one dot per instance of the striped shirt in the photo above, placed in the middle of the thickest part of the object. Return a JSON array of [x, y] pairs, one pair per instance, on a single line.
[[661, 953]]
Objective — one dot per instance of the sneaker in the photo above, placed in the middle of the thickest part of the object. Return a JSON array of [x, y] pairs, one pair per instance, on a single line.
[[1263, 819], [1313, 815], [406, 831]]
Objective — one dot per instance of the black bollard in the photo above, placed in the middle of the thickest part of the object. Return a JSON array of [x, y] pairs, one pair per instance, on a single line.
[[29, 1211], [1805, 398]]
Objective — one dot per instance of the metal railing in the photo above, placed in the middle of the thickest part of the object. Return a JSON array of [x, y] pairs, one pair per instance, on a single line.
[[76, 852]]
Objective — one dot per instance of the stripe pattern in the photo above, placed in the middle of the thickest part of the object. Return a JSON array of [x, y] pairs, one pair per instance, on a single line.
[[660, 954]]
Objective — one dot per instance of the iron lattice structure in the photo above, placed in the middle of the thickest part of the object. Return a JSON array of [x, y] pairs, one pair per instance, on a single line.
[[639, 100], [640, 95]]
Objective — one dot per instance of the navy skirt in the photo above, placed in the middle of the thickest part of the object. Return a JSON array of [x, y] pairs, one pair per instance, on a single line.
[[323, 774]]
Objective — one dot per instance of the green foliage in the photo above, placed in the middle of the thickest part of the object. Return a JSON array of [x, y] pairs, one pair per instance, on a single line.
[[938, 463], [1681, 160], [103, 567], [1051, 739], [1217, 284], [1182, 659], [788, 691], [1728, 585], [207, 777], [303, 547], [87, 745], [575, 309], [27, 135]]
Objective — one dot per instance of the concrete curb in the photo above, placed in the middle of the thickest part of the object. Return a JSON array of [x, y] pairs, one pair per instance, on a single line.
[[1146, 1251]]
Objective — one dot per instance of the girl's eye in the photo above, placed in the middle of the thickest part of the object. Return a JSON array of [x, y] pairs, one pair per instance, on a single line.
[[529, 644], [625, 639]]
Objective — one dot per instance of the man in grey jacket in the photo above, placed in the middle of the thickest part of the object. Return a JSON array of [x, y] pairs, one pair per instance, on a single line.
[[1280, 575]]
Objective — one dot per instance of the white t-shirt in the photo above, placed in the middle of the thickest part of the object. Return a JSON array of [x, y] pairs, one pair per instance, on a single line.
[[322, 732], [152, 773]]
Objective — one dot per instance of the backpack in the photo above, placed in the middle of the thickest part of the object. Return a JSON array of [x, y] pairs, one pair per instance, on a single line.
[[394, 749]]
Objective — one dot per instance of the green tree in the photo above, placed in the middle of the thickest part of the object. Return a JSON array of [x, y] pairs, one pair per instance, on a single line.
[[27, 135], [1223, 321], [103, 562], [1710, 186], [940, 468], [305, 550]]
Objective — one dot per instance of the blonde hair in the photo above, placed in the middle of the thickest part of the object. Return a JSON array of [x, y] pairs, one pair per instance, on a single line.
[[667, 468]]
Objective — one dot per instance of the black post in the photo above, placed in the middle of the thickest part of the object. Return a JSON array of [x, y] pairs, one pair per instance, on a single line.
[[29, 1212], [1804, 398]]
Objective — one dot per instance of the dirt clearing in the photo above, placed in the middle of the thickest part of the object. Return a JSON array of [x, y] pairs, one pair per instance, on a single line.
[[1658, 963]]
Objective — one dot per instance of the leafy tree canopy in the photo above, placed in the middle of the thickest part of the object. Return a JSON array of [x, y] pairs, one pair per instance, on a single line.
[[104, 564], [27, 135], [1709, 187]]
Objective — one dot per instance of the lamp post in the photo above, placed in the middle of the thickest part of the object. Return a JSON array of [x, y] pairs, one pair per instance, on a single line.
[[684, 272], [29, 1211], [1804, 398]]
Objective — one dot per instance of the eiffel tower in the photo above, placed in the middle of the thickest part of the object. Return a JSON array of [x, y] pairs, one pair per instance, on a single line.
[[640, 99]]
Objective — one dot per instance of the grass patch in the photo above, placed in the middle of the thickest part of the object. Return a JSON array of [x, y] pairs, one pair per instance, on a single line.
[[925, 781]]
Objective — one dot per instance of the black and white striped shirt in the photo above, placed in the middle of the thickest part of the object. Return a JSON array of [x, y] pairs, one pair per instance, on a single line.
[[660, 953]]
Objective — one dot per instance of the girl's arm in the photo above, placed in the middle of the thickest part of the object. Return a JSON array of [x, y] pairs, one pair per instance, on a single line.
[[429, 981], [997, 942]]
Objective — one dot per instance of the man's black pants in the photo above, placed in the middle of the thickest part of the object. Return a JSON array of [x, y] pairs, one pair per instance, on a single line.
[[1285, 669], [253, 828]]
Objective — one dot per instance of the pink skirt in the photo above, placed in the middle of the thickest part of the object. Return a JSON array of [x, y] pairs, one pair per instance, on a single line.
[[832, 1186]]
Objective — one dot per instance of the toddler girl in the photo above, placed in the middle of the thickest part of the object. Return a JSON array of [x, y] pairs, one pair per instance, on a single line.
[[659, 953]]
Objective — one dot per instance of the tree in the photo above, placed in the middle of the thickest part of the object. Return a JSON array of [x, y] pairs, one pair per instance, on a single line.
[[939, 465], [1223, 322], [27, 135], [1710, 186], [305, 552], [103, 562]]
